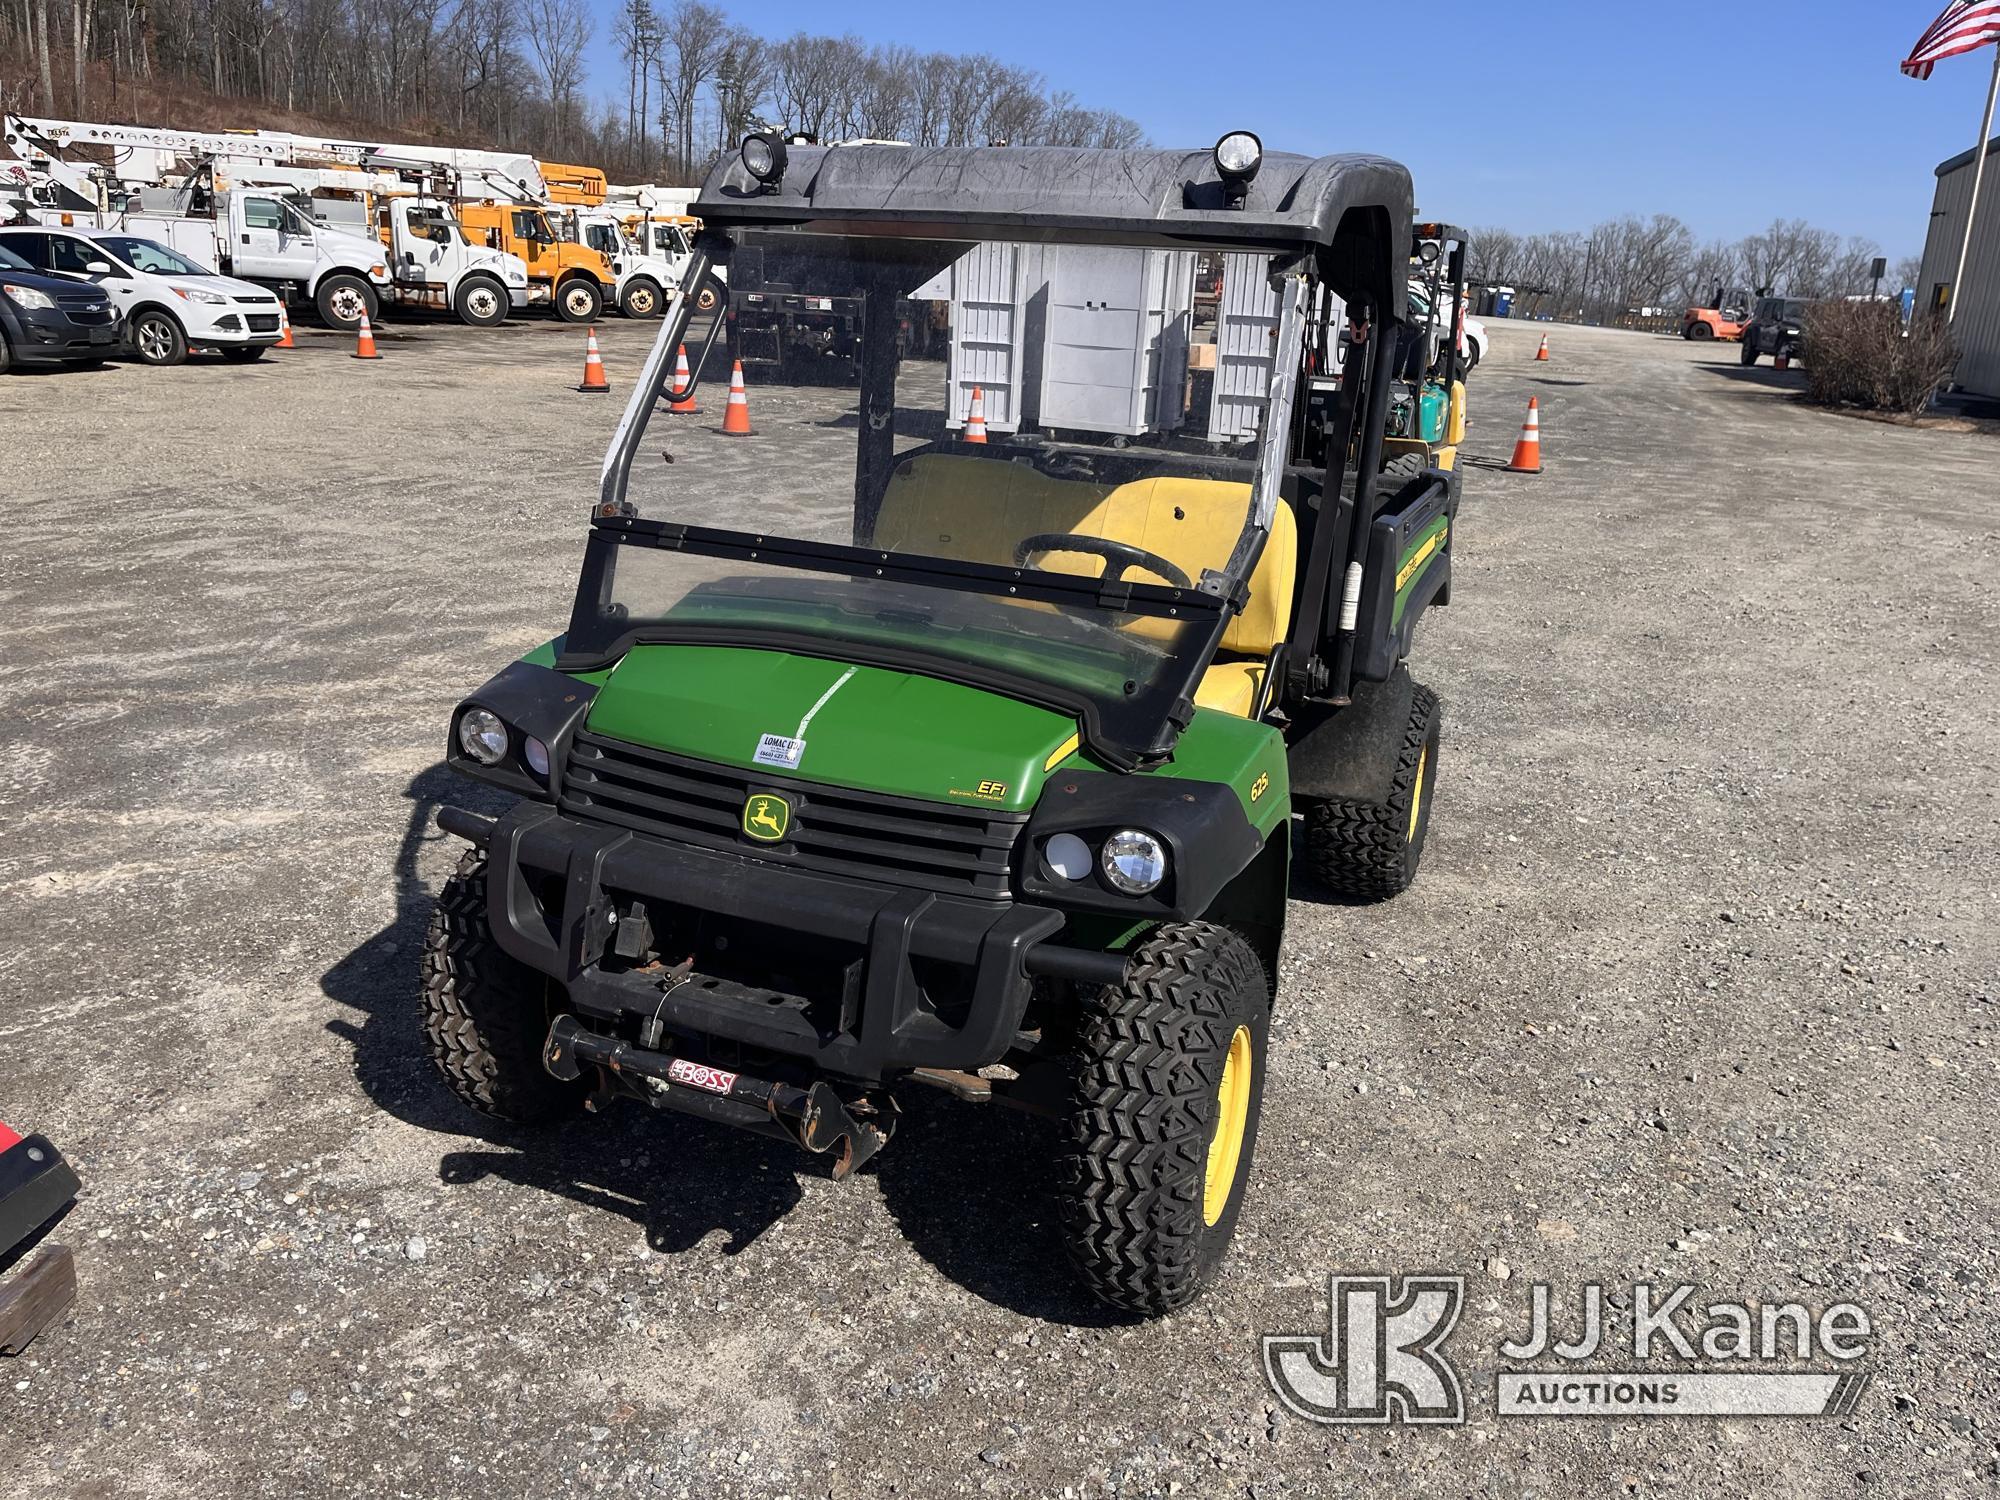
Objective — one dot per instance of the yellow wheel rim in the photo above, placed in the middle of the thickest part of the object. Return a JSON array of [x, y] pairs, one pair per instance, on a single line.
[[1417, 794], [1232, 1113]]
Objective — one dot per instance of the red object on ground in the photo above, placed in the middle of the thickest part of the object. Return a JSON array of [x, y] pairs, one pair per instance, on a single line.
[[7, 1137]]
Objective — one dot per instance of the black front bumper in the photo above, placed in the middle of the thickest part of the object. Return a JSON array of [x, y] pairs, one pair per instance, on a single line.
[[918, 979], [51, 336]]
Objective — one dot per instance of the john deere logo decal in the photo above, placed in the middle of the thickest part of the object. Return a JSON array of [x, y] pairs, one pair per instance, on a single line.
[[766, 817]]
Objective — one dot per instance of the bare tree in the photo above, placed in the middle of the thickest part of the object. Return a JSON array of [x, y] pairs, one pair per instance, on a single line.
[[558, 31], [693, 38]]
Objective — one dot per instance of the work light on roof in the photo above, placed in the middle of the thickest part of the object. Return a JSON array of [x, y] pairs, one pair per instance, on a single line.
[[764, 156], [1238, 155]]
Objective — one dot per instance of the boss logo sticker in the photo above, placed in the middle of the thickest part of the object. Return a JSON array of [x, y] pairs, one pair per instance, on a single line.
[[700, 1076]]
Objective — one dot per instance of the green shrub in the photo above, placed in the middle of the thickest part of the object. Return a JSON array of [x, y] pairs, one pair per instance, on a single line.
[[1859, 354]]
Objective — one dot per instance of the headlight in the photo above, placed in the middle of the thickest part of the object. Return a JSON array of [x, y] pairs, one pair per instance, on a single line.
[[1133, 862], [26, 296], [764, 156], [1238, 155], [188, 294], [536, 754], [482, 736], [1068, 856]]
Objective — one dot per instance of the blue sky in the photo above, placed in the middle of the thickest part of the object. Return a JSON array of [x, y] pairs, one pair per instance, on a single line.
[[1568, 113]]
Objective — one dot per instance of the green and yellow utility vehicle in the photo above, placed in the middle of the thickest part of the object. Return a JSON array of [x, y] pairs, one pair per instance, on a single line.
[[876, 756]]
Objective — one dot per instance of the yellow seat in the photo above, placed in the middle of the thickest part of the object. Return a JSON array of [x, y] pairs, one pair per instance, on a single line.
[[978, 510], [1231, 686]]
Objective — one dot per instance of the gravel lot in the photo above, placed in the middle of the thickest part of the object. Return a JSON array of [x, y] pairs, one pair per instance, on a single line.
[[1699, 983]]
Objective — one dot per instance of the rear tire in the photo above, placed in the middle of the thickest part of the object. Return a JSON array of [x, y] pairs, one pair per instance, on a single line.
[[341, 301], [485, 1015], [1699, 331], [157, 339], [1749, 352], [579, 301], [1371, 850], [1168, 1087]]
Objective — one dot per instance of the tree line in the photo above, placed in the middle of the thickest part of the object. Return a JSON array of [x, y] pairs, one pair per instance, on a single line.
[[513, 75], [1624, 267]]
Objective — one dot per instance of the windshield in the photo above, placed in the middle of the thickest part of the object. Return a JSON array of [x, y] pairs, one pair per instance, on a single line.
[[151, 256], [989, 464]]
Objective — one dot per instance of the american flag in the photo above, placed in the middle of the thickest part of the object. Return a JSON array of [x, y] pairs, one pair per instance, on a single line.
[[1965, 24]]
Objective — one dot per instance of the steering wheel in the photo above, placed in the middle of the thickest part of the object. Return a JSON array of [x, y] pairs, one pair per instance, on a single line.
[[1118, 556]]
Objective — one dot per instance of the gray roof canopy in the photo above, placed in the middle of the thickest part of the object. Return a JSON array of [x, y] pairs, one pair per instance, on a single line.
[[1063, 194]]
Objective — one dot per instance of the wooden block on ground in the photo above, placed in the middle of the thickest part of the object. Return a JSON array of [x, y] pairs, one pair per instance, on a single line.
[[33, 1298]]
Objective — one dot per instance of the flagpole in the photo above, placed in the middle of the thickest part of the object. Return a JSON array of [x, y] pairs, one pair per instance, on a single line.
[[1978, 174]]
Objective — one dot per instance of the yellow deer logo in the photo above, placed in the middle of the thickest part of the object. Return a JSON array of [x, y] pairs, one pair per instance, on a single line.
[[766, 817]]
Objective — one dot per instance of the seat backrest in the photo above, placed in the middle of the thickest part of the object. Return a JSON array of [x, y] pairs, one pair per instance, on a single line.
[[977, 509]]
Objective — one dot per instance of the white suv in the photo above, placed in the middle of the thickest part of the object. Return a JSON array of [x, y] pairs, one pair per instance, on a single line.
[[168, 301]]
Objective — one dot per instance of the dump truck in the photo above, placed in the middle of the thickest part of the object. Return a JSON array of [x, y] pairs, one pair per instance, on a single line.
[[874, 758]]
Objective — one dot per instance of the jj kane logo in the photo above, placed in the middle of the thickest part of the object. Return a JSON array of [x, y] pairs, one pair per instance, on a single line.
[[1383, 1357]]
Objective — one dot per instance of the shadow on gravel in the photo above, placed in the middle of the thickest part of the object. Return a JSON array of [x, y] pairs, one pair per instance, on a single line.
[[968, 1185], [1782, 380], [971, 1188]]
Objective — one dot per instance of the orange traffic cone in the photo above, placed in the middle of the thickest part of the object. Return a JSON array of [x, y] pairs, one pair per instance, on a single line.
[[1543, 352], [1528, 448], [594, 383], [975, 417], [736, 416], [364, 341], [683, 400], [284, 331]]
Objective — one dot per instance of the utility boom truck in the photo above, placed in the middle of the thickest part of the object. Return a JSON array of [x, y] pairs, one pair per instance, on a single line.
[[875, 758], [273, 198]]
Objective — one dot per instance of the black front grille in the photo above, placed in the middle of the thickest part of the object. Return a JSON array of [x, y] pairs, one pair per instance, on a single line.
[[866, 835], [256, 299], [85, 307], [262, 322]]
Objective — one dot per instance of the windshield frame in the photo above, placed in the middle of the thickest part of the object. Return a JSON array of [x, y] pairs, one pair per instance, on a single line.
[[1141, 729]]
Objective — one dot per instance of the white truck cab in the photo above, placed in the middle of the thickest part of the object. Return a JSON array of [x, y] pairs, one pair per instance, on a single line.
[[433, 263], [262, 236], [167, 302], [649, 267]]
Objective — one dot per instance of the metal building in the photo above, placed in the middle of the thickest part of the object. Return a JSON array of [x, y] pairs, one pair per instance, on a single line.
[[1976, 324]]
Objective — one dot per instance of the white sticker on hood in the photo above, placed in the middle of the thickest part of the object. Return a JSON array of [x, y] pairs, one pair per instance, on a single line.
[[779, 750]]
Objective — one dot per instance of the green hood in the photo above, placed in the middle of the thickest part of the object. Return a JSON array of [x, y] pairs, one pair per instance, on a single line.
[[864, 727]]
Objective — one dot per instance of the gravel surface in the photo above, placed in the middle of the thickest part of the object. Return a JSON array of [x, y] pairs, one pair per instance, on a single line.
[[1699, 983]]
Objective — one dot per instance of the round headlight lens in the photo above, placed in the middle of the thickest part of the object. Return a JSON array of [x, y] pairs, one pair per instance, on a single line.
[[1068, 856], [482, 736], [1238, 154], [536, 754], [764, 157], [1134, 862]]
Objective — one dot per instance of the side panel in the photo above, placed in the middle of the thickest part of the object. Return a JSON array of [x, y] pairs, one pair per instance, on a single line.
[[1408, 567]]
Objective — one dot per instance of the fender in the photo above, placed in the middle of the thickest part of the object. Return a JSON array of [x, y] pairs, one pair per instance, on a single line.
[[1351, 752]]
